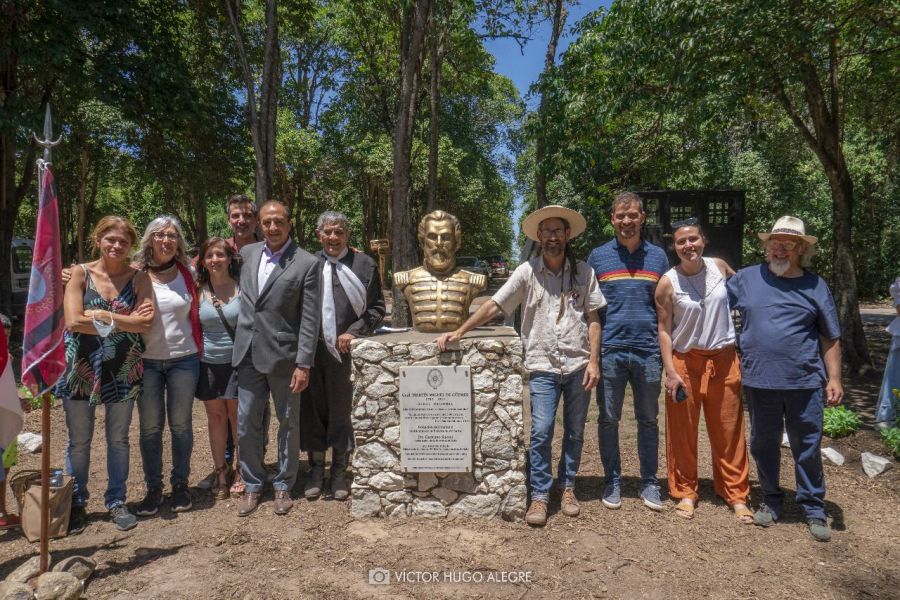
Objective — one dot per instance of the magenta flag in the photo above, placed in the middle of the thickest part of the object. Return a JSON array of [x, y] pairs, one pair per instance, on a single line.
[[43, 351]]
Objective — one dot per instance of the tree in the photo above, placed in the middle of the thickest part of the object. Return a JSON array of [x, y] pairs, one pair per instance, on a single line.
[[558, 12], [735, 58], [262, 103], [412, 45]]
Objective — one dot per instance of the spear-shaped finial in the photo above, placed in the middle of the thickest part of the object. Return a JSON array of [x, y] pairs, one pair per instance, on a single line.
[[48, 141]]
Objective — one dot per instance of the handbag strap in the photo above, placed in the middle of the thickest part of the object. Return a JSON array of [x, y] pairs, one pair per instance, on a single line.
[[215, 303]]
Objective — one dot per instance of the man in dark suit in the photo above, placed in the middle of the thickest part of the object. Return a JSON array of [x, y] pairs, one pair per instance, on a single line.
[[352, 306], [274, 349]]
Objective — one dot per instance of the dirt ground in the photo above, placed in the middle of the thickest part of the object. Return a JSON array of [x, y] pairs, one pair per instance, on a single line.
[[319, 550]]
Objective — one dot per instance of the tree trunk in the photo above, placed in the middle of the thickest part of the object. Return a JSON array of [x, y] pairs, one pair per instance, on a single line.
[[82, 207], [403, 250], [854, 348], [262, 119], [434, 134], [540, 177]]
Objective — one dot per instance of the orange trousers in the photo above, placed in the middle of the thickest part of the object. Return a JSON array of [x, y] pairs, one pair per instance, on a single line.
[[713, 381]]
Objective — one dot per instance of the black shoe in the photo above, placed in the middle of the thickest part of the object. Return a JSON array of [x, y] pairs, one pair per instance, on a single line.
[[180, 498], [77, 520], [149, 506]]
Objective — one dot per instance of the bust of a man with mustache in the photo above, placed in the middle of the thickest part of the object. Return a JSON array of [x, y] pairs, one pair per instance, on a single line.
[[439, 293]]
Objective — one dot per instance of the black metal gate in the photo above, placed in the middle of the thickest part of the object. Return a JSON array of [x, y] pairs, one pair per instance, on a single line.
[[720, 212]]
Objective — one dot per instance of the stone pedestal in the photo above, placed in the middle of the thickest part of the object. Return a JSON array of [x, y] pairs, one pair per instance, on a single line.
[[496, 486]]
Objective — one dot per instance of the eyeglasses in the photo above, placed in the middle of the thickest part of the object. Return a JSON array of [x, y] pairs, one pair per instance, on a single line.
[[781, 244], [689, 222], [161, 235], [551, 233]]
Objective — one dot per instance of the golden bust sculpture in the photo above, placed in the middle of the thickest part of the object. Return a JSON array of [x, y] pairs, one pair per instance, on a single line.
[[438, 293]]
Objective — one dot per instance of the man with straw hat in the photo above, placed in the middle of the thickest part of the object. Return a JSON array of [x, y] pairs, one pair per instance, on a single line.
[[561, 336], [790, 367]]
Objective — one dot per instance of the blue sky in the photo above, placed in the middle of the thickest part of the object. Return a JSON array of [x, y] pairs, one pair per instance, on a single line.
[[524, 69], [524, 66]]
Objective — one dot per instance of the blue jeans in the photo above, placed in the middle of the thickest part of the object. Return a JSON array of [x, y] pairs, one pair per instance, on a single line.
[[884, 410], [545, 389], [801, 413], [642, 369], [80, 423], [169, 387]]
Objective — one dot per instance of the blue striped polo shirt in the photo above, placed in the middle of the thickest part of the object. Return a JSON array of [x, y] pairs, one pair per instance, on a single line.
[[628, 282]]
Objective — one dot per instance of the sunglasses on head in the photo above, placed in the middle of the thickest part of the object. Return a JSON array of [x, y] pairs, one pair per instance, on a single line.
[[689, 222]]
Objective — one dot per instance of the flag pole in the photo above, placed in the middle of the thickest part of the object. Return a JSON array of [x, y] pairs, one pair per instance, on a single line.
[[47, 143]]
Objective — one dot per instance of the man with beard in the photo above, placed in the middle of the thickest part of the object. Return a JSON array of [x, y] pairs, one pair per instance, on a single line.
[[352, 306], [790, 367], [628, 269], [561, 336], [439, 294]]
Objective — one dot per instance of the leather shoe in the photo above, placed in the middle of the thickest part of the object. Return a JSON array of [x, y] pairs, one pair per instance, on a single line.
[[248, 503], [283, 502]]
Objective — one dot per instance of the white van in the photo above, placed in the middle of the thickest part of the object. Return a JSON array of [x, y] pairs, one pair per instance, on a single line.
[[20, 267]]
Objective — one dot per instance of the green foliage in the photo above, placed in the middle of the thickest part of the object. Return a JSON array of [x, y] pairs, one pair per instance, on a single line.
[[34, 401], [840, 421], [891, 438]]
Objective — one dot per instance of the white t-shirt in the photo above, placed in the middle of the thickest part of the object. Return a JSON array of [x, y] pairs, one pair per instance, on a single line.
[[170, 334]]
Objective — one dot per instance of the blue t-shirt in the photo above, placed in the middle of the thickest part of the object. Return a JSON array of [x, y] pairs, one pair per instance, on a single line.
[[217, 342], [781, 321], [628, 282]]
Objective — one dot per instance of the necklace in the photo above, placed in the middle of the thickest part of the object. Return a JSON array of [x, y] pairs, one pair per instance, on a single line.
[[696, 291]]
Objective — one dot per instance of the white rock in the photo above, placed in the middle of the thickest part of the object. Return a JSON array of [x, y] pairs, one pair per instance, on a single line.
[[10, 590], [875, 465], [513, 508], [476, 506], [29, 443], [27, 570], [365, 503], [387, 418], [371, 408], [399, 497], [427, 507], [833, 455], [400, 350], [373, 352], [391, 435], [377, 390], [483, 381], [474, 358], [495, 346], [80, 566], [422, 351], [386, 480], [444, 495], [511, 389], [58, 586], [374, 455], [426, 481], [396, 511], [785, 441], [393, 365], [496, 442]]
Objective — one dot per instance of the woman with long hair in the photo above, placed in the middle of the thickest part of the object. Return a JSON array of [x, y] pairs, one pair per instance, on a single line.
[[108, 306], [171, 363], [217, 286], [696, 341]]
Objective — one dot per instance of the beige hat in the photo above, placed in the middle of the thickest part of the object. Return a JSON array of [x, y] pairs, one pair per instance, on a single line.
[[576, 222], [788, 225]]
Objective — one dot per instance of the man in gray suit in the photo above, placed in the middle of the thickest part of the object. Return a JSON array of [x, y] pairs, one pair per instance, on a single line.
[[274, 347]]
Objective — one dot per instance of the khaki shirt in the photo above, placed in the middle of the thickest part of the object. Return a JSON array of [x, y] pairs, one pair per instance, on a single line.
[[554, 314]]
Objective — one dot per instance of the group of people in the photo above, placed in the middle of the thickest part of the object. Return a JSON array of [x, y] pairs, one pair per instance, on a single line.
[[246, 320], [624, 317]]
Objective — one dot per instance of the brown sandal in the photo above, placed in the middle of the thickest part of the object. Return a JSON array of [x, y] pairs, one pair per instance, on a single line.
[[743, 514], [685, 509], [218, 490]]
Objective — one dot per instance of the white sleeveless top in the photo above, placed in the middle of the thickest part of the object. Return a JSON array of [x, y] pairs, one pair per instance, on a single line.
[[170, 334], [701, 319]]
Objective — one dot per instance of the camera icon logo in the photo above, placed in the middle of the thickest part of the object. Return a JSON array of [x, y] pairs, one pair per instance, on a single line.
[[379, 576]]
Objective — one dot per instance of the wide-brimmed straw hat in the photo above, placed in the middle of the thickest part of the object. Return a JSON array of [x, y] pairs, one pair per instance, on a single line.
[[577, 223], [788, 225]]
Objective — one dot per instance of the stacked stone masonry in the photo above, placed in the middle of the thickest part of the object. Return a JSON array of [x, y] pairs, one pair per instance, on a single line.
[[497, 485]]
